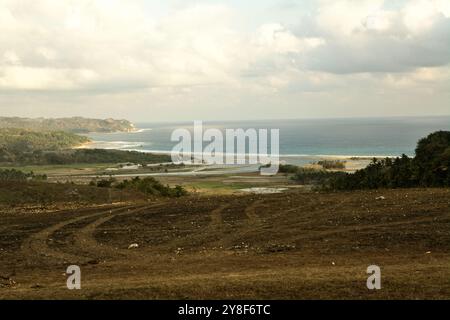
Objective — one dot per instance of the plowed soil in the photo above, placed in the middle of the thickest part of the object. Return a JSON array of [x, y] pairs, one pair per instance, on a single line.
[[295, 245]]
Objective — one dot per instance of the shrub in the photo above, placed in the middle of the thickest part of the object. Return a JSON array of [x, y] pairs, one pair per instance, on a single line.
[[332, 164], [288, 168], [105, 183], [151, 186], [313, 176]]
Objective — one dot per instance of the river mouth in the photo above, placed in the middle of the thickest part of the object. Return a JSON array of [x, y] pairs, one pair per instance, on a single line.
[[262, 190]]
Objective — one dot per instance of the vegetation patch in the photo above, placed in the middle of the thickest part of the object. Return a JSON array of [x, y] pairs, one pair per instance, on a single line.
[[429, 168], [147, 185], [101, 156], [332, 164], [16, 175]]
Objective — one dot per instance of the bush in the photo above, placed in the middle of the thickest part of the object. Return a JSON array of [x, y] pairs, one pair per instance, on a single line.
[[151, 186], [105, 183], [313, 176], [332, 164], [179, 191], [288, 168]]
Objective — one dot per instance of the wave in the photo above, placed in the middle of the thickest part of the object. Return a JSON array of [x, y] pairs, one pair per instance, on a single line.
[[119, 145], [142, 130], [139, 147], [315, 156]]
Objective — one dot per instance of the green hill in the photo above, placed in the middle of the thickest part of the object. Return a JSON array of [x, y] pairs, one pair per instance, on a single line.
[[26, 147], [23, 140]]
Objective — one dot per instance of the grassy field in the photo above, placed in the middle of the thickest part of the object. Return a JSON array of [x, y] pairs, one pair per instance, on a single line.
[[65, 169], [226, 183], [85, 171]]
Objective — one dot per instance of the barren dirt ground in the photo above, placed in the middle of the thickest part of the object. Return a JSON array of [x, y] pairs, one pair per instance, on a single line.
[[294, 245]]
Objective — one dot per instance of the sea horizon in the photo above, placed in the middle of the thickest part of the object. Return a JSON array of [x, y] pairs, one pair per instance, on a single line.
[[330, 137]]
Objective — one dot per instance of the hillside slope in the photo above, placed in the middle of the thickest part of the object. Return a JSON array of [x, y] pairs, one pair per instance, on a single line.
[[75, 124], [284, 246]]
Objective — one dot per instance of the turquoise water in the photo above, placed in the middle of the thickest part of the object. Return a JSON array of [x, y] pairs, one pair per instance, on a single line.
[[307, 137]]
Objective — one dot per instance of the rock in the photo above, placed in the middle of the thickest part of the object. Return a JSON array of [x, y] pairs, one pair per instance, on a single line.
[[133, 246], [7, 281]]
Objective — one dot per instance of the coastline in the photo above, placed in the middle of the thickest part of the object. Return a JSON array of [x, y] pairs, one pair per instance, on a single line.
[[352, 162], [84, 145], [133, 146]]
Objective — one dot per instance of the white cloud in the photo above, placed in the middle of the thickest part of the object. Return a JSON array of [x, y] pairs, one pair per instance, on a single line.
[[278, 39], [10, 58], [18, 77], [419, 16], [365, 36], [345, 17], [196, 45], [202, 50]]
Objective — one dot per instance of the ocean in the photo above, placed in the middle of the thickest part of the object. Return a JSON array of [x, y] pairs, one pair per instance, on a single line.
[[300, 139]]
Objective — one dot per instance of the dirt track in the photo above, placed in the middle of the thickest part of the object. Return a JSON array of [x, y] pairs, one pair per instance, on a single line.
[[292, 245]]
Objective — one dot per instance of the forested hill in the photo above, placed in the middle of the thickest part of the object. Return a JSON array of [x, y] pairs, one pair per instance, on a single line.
[[75, 124], [26, 147], [22, 140]]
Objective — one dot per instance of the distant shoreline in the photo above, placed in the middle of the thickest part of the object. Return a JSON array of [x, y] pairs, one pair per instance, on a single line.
[[116, 146], [353, 162]]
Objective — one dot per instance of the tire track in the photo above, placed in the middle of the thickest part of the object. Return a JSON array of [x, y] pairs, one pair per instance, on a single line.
[[36, 247], [201, 237], [84, 239], [216, 217], [250, 212], [320, 234], [251, 222]]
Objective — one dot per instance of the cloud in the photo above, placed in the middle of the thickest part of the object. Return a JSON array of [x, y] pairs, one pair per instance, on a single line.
[[88, 44], [363, 36], [196, 51], [91, 43]]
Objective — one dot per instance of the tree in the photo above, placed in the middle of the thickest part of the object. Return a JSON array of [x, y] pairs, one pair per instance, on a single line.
[[433, 159]]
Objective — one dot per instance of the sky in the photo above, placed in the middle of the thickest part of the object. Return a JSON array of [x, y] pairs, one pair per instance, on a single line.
[[179, 60]]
